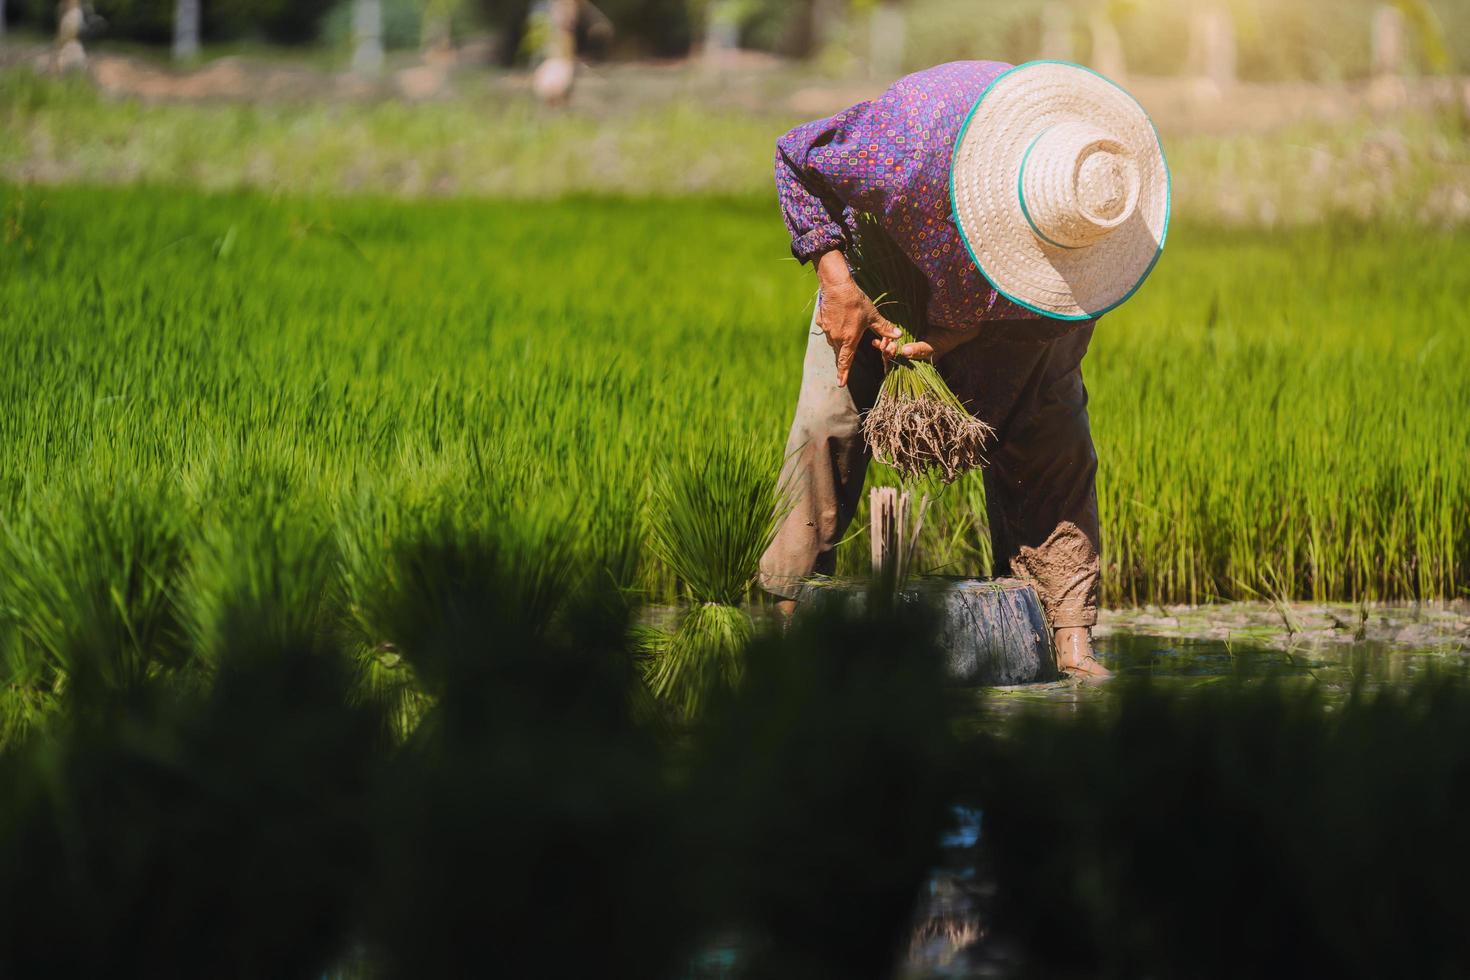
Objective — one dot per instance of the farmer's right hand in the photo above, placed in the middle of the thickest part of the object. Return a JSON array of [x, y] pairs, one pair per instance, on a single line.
[[846, 314]]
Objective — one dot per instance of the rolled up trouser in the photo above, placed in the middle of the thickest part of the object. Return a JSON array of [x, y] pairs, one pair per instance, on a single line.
[[1039, 482]]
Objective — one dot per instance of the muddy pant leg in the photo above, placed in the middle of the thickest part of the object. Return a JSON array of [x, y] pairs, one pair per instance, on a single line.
[[1040, 484], [826, 461]]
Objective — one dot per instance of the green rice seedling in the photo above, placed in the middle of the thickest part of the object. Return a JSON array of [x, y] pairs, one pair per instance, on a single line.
[[917, 425], [705, 653], [1288, 405], [421, 577], [530, 771], [29, 692], [711, 514], [88, 577], [268, 569], [236, 804]]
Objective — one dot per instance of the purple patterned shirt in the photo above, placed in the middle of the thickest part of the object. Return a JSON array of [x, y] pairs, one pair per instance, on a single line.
[[891, 157]]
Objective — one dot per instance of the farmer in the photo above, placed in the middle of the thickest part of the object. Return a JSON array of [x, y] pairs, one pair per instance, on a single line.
[[1030, 200]]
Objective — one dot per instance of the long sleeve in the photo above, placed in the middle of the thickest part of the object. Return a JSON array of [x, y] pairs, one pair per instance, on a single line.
[[890, 158], [817, 210]]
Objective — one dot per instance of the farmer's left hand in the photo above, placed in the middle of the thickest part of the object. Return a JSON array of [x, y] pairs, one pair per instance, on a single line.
[[917, 351], [940, 344]]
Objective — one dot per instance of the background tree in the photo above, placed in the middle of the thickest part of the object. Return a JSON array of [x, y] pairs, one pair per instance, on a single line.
[[557, 71], [69, 23], [1213, 57], [186, 30], [436, 30], [721, 23], [887, 36], [508, 18], [1103, 20], [367, 36]]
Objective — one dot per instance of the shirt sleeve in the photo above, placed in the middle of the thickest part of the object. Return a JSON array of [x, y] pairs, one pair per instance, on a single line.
[[817, 202]]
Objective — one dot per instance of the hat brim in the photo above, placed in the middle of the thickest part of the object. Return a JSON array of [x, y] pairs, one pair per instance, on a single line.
[[1062, 283]]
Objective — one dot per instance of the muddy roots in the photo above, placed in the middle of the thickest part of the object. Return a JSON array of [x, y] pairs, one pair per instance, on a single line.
[[924, 433]]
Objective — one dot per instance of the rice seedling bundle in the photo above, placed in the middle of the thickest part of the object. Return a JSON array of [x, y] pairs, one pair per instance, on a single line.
[[917, 425], [711, 514]]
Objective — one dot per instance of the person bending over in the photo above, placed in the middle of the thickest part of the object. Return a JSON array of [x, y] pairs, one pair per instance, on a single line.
[[1030, 200]]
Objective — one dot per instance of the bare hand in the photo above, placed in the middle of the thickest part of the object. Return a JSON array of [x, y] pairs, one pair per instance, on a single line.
[[944, 341], [917, 351], [847, 314]]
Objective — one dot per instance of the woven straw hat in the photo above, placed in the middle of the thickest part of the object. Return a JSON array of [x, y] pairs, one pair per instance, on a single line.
[[1060, 189]]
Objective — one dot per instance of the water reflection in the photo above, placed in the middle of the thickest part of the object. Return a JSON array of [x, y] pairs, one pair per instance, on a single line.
[[1187, 662]]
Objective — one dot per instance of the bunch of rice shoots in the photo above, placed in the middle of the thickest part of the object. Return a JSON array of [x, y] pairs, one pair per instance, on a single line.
[[711, 515], [917, 425]]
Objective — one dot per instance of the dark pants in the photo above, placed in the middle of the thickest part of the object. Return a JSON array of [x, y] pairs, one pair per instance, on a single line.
[[1039, 482]]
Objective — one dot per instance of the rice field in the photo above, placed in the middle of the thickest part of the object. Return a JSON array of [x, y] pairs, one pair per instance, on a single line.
[[198, 393]]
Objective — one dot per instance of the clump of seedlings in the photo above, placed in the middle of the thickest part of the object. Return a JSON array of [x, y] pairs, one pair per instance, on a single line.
[[711, 514], [917, 425]]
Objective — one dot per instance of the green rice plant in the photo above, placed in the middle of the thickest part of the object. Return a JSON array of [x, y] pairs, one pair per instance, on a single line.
[[267, 568], [444, 570], [87, 580], [711, 515], [917, 425], [705, 653], [1280, 411], [235, 803], [29, 693]]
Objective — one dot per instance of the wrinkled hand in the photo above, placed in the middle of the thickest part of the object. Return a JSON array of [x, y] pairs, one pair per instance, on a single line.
[[846, 314], [923, 350], [917, 351]]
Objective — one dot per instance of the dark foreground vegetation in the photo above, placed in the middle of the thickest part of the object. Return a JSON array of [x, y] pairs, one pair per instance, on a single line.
[[225, 794]]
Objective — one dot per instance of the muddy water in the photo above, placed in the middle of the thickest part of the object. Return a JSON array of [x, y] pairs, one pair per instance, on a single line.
[[1188, 660]]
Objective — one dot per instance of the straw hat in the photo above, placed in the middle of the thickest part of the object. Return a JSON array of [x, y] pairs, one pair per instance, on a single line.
[[1060, 189]]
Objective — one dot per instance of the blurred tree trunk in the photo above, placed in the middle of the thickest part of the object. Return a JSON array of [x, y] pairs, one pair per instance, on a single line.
[[1212, 57], [829, 21], [721, 30], [186, 30], [1107, 46], [886, 39], [69, 53], [814, 23], [564, 15], [510, 18], [1387, 90], [436, 33], [553, 79], [1388, 40], [367, 36]]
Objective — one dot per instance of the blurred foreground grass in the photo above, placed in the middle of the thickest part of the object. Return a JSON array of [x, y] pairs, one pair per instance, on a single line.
[[666, 133], [1278, 415]]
